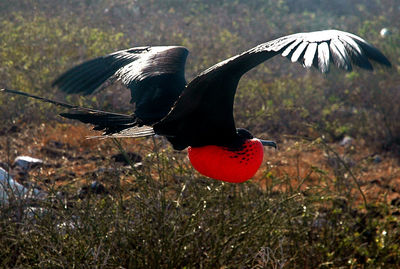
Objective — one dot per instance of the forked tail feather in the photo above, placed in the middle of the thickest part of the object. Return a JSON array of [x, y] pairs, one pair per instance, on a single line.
[[113, 124]]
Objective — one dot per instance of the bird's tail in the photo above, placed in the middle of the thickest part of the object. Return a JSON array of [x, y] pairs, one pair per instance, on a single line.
[[39, 98], [113, 124]]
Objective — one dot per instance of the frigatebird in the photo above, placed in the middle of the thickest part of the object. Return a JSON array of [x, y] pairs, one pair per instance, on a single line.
[[199, 115]]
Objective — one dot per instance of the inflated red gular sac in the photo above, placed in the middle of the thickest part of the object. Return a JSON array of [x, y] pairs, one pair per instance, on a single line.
[[231, 165]]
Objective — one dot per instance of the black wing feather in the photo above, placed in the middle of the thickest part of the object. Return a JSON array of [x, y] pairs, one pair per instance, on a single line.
[[103, 121], [339, 55], [155, 76], [86, 77]]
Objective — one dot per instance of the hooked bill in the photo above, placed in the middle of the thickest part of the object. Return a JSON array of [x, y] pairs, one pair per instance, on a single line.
[[230, 165]]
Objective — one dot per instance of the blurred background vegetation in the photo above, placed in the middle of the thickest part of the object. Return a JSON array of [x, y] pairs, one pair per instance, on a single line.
[[40, 39]]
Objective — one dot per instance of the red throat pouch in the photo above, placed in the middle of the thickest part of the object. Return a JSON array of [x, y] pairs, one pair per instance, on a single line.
[[226, 164]]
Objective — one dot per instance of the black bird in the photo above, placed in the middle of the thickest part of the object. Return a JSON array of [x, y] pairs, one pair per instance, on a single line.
[[199, 115]]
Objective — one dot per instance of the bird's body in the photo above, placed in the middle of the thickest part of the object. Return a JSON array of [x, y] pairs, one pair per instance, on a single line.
[[199, 114]]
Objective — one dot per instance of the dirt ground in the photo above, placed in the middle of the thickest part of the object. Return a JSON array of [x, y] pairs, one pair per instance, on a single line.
[[70, 159]]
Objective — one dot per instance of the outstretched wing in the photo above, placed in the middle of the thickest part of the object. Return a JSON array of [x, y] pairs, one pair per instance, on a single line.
[[205, 108], [155, 76]]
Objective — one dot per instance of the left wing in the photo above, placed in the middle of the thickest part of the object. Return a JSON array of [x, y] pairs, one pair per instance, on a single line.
[[155, 76]]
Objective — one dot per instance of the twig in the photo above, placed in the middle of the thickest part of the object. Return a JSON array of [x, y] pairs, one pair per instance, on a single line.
[[347, 168]]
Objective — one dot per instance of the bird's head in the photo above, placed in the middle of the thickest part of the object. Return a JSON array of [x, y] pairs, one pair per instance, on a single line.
[[245, 134], [232, 164]]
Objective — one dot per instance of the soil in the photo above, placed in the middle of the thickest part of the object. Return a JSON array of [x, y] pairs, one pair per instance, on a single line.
[[72, 160]]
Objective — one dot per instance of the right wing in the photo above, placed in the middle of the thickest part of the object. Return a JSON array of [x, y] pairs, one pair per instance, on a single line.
[[205, 108]]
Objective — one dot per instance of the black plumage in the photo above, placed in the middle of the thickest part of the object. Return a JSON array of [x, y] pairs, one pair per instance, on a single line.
[[155, 76], [201, 112]]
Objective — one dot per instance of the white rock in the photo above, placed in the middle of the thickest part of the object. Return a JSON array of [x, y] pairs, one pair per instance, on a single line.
[[385, 32], [11, 189], [346, 141], [26, 162]]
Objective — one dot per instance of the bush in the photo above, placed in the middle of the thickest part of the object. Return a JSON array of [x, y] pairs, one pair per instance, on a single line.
[[180, 219]]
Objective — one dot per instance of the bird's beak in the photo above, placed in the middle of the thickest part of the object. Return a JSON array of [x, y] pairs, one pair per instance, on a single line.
[[269, 143]]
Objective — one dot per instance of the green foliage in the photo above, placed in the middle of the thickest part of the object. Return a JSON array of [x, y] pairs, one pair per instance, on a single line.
[[179, 219], [34, 51]]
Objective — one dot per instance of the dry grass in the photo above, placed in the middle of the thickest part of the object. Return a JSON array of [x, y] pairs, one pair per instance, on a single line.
[[293, 214]]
